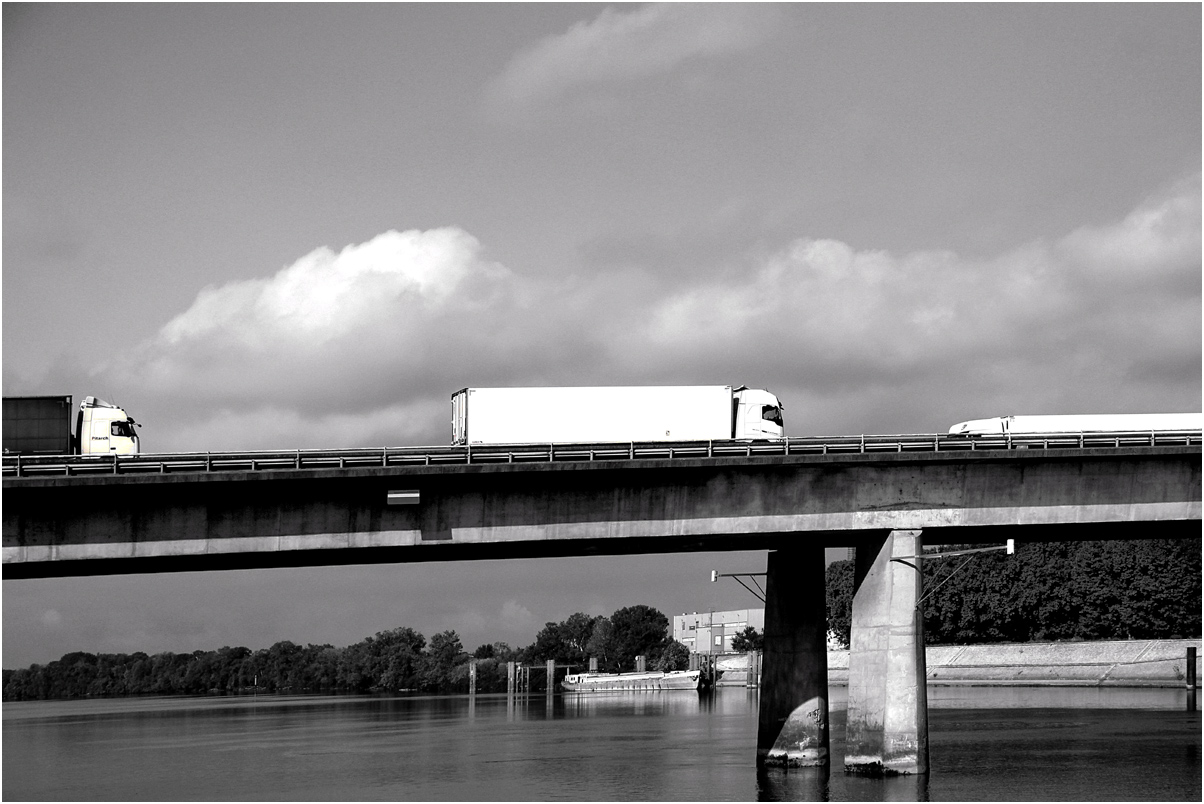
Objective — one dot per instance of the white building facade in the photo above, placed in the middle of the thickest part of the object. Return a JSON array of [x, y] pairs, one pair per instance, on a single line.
[[712, 631]]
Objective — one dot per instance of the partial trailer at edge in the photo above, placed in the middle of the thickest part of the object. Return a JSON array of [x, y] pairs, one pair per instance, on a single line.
[[614, 414], [41, 425], [1079, 423]]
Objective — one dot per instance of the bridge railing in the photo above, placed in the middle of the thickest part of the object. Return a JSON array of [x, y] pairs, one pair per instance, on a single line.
[[208, 462]]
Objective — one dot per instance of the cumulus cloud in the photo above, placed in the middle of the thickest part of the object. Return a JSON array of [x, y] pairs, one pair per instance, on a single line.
[[514, 616], [623, 45], [364, 347]]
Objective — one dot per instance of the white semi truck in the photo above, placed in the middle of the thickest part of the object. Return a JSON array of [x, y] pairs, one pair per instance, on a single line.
[[42, 425], [1086, 423], [610, 414]]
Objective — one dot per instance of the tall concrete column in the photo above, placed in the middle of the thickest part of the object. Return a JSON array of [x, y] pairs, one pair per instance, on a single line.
[[888, 699], [793, 727]]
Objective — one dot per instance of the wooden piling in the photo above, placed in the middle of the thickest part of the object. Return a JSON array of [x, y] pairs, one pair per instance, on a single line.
[[1191, 679]]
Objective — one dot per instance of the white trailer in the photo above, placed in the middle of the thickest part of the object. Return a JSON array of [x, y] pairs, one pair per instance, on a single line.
[[610, 414], [1087, 423]]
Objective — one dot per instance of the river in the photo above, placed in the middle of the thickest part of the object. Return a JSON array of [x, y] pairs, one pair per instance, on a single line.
[[986, 743]]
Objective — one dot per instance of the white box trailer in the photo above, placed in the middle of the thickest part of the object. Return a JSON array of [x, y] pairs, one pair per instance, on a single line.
[[610, 414], [1084, 423]]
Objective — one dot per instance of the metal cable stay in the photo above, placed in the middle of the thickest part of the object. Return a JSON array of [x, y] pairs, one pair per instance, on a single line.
[[1010, 547], [759, 594]]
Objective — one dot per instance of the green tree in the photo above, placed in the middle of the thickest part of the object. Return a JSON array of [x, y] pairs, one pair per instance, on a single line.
[[391, 659], [441, 658], [566, 641], [634, 631], [675, 656], [748, 639], [602, 645], [838, 588]]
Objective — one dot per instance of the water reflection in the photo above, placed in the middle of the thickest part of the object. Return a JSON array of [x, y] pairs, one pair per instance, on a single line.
[[792, 784], [986, 744]]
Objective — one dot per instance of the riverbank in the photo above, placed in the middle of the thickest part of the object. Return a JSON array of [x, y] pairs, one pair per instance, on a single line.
[[1123, 663]]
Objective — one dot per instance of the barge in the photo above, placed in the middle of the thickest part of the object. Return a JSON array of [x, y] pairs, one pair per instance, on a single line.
[[621, 682]]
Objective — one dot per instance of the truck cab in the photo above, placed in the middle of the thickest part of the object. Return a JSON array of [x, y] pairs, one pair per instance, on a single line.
[[756, 414], [104, 429]]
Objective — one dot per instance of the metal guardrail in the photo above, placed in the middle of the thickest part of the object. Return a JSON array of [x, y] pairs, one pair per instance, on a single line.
[[15, 466]]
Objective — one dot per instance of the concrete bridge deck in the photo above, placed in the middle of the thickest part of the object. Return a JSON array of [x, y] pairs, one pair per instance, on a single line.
[[195, 520]]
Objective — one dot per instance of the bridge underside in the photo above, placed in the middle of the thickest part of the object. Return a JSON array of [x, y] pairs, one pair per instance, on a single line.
[[159, 523], [342, 556]]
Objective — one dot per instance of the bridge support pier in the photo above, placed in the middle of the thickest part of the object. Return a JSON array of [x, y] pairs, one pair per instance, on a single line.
[[887, 728], [793, 725]]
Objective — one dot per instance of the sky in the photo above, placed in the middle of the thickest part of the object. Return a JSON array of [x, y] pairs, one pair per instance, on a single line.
[[289, 226]]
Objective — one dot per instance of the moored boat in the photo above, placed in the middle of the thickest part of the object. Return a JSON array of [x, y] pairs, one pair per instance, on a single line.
[[619, 682]]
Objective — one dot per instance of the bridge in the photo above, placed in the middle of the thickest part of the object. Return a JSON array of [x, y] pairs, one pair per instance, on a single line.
[[887, 496]]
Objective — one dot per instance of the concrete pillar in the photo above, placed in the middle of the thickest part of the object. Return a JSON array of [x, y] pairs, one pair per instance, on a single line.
[[511, 677], [593, 664], [641, 664], [472, 677], [793, 721], [887, 728], [551, 670]]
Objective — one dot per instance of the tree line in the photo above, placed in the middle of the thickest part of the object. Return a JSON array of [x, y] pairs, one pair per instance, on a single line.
[[1130, 589], [389, 661], [1137, 589]]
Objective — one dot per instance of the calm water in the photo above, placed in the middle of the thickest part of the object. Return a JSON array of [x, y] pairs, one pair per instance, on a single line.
[[986, 744]]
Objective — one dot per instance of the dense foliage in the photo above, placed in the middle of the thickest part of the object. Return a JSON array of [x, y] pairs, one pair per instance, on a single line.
[[399, 659], [1133, 589], [748, 639], [1139, 589]]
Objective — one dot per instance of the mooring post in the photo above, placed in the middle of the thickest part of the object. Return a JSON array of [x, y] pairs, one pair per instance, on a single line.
[[753, 678], [887, 730], [793, 719], [1191, 679]]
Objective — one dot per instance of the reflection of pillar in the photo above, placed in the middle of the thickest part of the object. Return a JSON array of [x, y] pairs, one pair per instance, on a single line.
[[793, 720], [887, 728]]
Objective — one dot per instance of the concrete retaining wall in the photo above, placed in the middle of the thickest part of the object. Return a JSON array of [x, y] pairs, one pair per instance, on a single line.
[[1131, 663]]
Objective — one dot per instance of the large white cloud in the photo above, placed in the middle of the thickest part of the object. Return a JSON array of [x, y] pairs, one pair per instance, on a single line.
[[364, 347], [627, 44]]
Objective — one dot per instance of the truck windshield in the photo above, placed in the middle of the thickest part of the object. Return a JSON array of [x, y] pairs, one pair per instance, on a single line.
[[123, 429], [772, 413]]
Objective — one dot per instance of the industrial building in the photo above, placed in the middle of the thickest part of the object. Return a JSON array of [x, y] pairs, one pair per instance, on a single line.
[[712, 631]]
